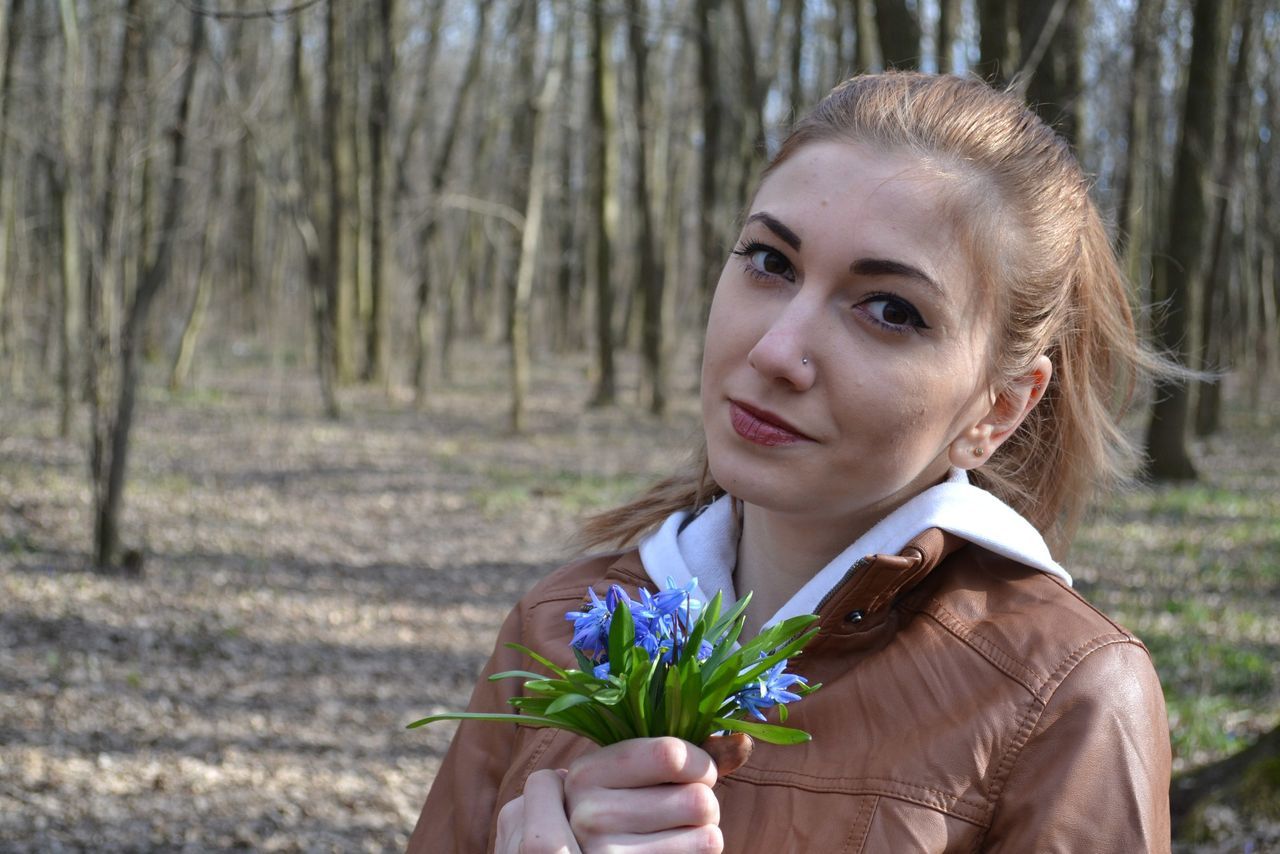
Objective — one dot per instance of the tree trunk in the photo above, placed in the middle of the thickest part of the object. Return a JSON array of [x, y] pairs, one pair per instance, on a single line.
[[568, 273], [184, 358], [1180, 266], [99, 316], [306, 214], [899, 32], [997, 40], [67, 209], [949, 15], [335, 242], [110, 494], [1245, 780], [708, 258], [1213, 291], [753, 93], [243, 44], [598, 156], [650, 281], [1051, 79], [437, 173], [531, 238], [865, 36], [523, 84], [347, 173], [377, 341], [1135, 199], [795, 56], [12, 36]]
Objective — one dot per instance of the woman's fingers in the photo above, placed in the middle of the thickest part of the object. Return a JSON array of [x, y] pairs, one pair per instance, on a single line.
[[640, 762], [729, 752], [684, 840], [510, 827], [544, 826], [605, 812]]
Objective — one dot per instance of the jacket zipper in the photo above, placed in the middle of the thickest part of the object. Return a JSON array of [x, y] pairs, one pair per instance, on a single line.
[[857, 565]]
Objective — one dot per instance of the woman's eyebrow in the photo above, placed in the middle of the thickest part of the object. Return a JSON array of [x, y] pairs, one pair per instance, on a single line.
[[788, 236], [885, 267]]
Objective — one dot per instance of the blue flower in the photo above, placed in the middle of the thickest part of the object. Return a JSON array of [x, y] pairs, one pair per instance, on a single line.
[[769, 690], [601, 671], [591, 626], [660, 621]]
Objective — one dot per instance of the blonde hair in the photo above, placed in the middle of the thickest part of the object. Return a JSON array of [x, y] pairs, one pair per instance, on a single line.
[[1051, 277]]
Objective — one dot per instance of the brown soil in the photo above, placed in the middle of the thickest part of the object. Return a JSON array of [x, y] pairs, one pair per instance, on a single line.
[[309, 588]]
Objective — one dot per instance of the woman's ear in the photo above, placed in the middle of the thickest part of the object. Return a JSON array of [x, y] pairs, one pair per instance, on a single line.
[[976, 444]]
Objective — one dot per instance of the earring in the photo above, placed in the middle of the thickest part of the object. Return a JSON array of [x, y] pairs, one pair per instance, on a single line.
[[804, 360], [977, 452]]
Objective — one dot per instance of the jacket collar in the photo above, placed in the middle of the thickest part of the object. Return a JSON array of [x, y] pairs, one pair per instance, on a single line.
[[896, 553], [862, 607]]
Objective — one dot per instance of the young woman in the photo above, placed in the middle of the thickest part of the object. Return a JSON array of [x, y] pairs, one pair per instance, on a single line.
[[913, 369]]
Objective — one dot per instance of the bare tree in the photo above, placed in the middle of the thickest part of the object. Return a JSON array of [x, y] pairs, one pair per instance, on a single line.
[[708, 249], [438, 171], [67, 189], [899, 31], [1179, 267], [998, 39], [110, 439], [531, 235], [1214, 304], [8, 203], [948, 27], [1051, 77], [377, 341], [650, 280], [1136, 197], [597, 181]]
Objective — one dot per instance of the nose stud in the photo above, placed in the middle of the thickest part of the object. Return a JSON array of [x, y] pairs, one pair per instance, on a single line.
[[804, 360]]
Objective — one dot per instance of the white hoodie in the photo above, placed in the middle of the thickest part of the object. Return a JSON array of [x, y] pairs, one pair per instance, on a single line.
[[706, 547]]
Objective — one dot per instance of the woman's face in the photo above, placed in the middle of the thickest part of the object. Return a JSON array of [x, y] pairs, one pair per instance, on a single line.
[[847, 344]]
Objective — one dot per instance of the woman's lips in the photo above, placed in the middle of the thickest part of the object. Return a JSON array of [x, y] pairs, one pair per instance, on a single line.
[[763, 428]]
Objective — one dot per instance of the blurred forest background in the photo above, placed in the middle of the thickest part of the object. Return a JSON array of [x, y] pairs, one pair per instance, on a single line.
[[322, 321]]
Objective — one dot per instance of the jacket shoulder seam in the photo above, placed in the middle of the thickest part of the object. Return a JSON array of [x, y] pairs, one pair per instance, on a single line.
[[1016, 670], [1035, 710], [552, 589], [925, 796]]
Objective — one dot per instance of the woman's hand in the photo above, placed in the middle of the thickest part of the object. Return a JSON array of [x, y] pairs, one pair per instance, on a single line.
[[649, 795]]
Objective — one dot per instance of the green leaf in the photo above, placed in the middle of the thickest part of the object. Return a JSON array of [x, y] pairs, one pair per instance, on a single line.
[[566, 701], [639, 672], [516, 674], [608, 696], [545, 662], [765, 732], [787, 651], [525, 720], [622, 633], [732, 616], [711, 611]]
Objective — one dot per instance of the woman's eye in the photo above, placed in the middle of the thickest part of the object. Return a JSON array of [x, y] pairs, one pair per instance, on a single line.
[[771, 262], [765, 261], [893, 313]]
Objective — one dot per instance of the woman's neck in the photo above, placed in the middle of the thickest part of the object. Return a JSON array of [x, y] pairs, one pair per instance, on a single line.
[[778, 554]]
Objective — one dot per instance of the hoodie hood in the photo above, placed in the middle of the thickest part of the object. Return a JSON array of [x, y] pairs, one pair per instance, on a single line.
[[704, 546]]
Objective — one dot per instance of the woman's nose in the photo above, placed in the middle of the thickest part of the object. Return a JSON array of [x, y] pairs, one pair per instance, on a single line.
[[785, 351]]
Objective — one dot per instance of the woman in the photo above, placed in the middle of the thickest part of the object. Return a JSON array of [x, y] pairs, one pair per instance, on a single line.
[[909, 392]]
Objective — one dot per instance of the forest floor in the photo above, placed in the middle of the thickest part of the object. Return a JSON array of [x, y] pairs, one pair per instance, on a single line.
[[311, 586]]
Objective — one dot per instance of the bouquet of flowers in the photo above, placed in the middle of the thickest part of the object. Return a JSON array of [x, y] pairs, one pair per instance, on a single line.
[[662, 665]]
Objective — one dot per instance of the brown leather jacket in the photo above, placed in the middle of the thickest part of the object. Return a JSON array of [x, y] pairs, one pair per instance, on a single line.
[[968, 704]]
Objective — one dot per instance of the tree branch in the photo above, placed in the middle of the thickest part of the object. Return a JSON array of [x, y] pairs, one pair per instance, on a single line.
[[277, 14]]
